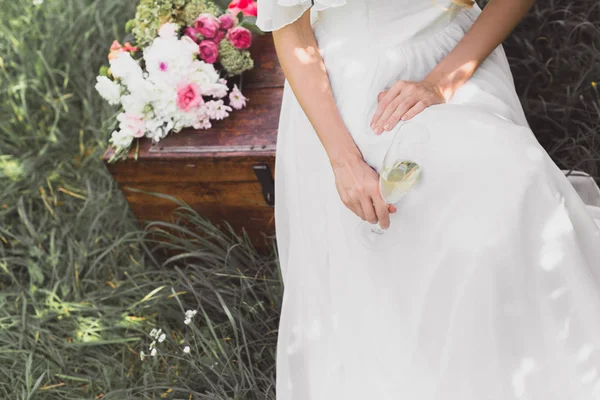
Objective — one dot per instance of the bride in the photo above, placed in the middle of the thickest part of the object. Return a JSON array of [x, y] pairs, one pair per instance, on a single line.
[[484, 280]]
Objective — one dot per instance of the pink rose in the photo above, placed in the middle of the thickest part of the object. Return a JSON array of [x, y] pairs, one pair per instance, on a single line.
[[247, 7], [209, 51], [218, 36], [191, 33], [132, 123], [228, 20], [207, 24], [189, 96], [240, 37]]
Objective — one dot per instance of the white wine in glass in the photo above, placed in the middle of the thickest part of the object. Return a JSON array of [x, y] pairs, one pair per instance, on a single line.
[[398, 174]]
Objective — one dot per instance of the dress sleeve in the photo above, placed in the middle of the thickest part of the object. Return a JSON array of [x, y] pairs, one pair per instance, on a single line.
[[275, 14]]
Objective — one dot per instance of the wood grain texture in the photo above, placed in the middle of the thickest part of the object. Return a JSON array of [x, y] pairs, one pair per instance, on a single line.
[[211, 170]]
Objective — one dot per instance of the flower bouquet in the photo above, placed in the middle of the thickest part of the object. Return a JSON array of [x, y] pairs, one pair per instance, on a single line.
[[175, 74]]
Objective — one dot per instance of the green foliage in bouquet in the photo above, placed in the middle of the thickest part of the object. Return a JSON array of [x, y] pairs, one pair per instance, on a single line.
[[234, 60], [151, 14]]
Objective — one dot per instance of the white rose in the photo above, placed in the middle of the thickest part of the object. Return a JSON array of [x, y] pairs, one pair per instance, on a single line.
[[109, 90]]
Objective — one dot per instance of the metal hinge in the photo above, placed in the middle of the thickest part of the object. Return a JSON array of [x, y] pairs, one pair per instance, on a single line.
[[267, 183]]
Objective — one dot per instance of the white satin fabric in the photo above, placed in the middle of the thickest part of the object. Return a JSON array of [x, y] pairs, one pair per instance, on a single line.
[[492, 291]]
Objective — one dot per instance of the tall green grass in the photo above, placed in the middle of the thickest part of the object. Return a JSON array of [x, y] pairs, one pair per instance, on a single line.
[[77, 269], [82, 285]]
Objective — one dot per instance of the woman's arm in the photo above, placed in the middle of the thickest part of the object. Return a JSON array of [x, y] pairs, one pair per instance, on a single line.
[[304, 69], [405, 99], [496, 21]]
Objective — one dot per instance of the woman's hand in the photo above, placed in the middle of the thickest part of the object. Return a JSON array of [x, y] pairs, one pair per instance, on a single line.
[[402, 101], [358, 186]]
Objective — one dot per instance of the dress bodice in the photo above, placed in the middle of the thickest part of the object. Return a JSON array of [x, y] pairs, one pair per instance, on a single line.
[[368, 19], [384, 23]]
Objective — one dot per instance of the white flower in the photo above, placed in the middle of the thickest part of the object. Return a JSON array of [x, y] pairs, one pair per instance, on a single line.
[[169, 61], [186, 349], [203, 123], [154, 333], [189, 314], [215, 109], [109, 90], [37, 2], [133, 104], [152, 345], [153, 352], [204, 74], [236, 99], [168, 30], [125, 68], [121, 139], [162, 338], [158, 127], [216, 90], [142, 355]]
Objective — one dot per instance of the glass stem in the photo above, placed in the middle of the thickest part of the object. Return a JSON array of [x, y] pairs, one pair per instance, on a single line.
[[377, 229]]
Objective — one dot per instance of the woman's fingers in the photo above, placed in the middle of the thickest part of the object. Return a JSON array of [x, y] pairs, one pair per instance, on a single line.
[[401, 110], [396, 108], [383, 215], [386, 99], [414, 110], [368, 210]]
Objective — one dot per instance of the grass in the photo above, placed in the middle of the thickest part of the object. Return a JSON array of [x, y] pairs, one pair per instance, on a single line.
[[81, 285]]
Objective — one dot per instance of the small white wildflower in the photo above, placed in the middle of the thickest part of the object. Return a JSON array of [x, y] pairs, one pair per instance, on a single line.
[[189, 314], [153, 332], [162, 338], [153, 352], [152, 345], [142, 355], [186, 349], [202, 123], [236, 99], [215, 109]]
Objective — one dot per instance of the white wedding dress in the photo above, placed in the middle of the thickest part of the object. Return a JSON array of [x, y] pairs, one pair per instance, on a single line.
[[492, 289]]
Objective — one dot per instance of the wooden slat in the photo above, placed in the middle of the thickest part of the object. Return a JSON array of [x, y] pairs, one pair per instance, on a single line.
[[221, 194], [190, 169]]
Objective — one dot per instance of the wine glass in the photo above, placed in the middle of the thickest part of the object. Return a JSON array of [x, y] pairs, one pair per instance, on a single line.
[[398, 174]]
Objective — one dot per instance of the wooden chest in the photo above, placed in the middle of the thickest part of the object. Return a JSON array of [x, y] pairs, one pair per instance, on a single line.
[[226, 172]]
